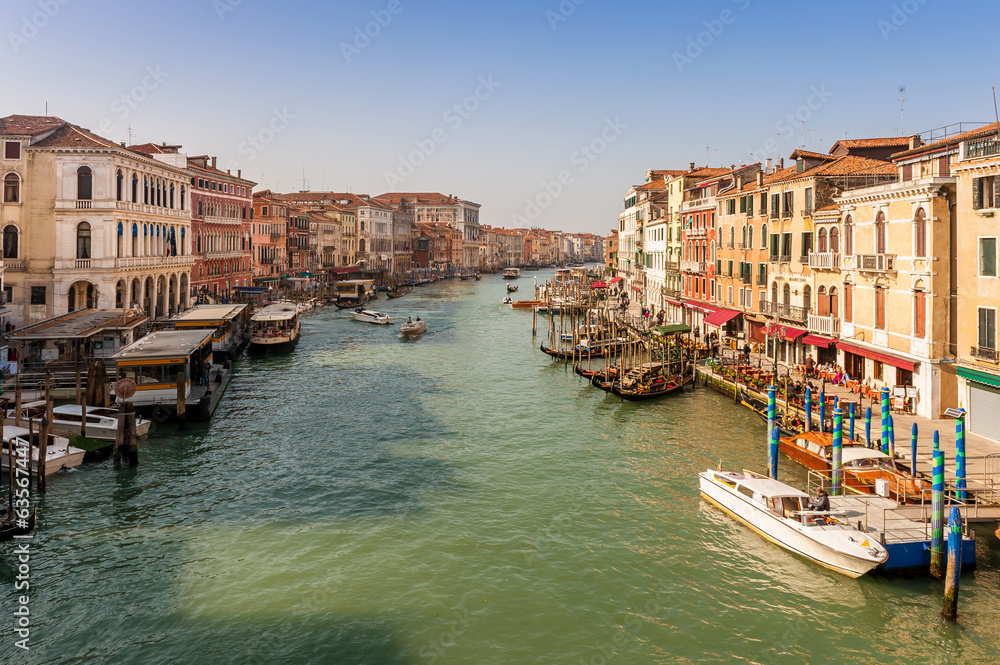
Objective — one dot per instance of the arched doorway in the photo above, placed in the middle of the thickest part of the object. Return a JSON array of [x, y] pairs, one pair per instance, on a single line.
[[161, 297], [81, 295]]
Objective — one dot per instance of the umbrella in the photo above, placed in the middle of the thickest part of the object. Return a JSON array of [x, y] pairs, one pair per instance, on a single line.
[[598, 285]]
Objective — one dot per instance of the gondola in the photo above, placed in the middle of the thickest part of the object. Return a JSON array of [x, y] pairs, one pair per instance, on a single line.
[[599, 352], [398, 293], [605, 381], [759, 407], [587, 373], [511, 288], [352, 303], [659, 387], [10, 528]]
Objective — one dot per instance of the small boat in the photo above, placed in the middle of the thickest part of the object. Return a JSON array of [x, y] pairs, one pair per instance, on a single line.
[[874, 472], [102, 422], [508, 301], [275, 327], [525, 304], [511, 273], [660, 386], [10, 526], [511, 288], [813, 450], [413, 328], [369, 316], [779, 513], [398, 292], [477, 276], [58, 455]]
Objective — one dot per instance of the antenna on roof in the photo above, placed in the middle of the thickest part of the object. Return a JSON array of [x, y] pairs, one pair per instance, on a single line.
[[902, 99], [46, 109], [130, 134], [995, 114]]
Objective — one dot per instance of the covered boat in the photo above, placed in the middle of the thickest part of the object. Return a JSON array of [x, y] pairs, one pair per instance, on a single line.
[[813, 450], [370, 316], [780, 513], [872, 471], [275, 327]]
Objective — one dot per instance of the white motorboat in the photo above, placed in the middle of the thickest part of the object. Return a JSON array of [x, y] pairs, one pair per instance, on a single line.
[[58, 455], [780, 513], [511, 273], [102, 423], [274, 327], [369, 316], [413, 328]]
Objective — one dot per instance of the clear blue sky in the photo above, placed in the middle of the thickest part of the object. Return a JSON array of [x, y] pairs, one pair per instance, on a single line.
[[278, 87]]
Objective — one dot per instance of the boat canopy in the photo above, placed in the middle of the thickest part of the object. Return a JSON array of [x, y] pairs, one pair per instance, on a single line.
[[769, 487], [852, 453], [672, 329]]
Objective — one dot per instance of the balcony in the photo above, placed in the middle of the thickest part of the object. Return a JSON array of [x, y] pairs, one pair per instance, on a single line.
[[277, 234], [875, 262], [672, 266], [824, 261], [984, 354], [81, 264], [790, 312], [985, 147], [154, 261], [731, 245], [697, 232], [693, 266], [266, 262], [231, 254], [670, 293], [14, 265], [747, 279], [785, 258], [807, 212], [232, 221], [825, 325], [774, 214], [786, 214]]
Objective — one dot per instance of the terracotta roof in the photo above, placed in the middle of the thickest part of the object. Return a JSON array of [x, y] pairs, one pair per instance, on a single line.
[[151, 149], [71, 136], [217, 173], [854, 165], [419, 197], [29, 125], [833, 207], [992, 128], [807, 154], [887, 142], [651, 185]]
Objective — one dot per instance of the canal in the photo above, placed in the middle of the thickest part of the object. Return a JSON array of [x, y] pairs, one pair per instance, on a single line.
[[459, 498]]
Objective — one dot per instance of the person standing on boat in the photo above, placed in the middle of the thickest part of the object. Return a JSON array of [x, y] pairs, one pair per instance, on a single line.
[[821, 502]]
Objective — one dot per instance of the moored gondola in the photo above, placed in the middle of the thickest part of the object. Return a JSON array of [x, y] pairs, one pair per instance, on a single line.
[[658, 387]]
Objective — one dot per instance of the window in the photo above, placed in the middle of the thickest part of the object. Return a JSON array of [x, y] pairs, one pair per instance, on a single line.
[[920, 233], [774, 293], [807, 298], [807, 241], [263, 211], [729, 292], [848, 235], [12, 150], [786, 244], [809, 201], [10, 242], [11, 188], [834, 302], [135, 188], [763, 236], [38, 295], [731, 206], [119, 185], [822, 305], [880, 233], [787, 203], [987, 328], [749, 239], [786, 293], [988, 257], [919, 314], [848, 302], [984, 192], [763, 204], [84, 183], [877, 370], [835, 240], [821, 241], [880, 308], [83, 241]]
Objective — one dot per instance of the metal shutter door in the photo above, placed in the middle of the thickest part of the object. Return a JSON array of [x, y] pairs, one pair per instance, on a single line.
[[985, 411]]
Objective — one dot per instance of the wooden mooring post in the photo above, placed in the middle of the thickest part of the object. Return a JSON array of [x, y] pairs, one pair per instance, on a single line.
[[181, 400], [953, 574], [43, 452], [120, 434], [131, 440], [17, 403]]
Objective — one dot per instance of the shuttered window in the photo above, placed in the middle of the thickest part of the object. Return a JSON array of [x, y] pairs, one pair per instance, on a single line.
[[880, 308], [907, 172], [988, 257], [920, 233], [849, 303], [987, 328], [944, 166], [920, 314]]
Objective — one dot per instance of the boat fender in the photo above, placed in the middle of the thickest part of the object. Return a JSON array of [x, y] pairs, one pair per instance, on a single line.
[[159, 415]]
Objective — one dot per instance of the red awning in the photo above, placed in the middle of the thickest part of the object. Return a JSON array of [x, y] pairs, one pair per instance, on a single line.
[[343, 271], [818, 340], [675, 303], [791, 334], [598, 285], [895, 361], [614, 280], [637, 288], [700, 307], [720, 317]]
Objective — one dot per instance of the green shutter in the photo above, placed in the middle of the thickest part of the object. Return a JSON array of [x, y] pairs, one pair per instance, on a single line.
[[988, 257], [977, 193]]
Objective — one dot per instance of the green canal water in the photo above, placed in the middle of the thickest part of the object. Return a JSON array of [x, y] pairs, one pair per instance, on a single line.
[[459, 498]]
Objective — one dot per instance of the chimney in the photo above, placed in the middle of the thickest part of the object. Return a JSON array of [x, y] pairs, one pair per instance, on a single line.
[[768, 166], [690, 166], [739, 182], [214, 159], [781, 164], [760, 178], [239, 173], [915, 142], [227, 172], [164, 144]]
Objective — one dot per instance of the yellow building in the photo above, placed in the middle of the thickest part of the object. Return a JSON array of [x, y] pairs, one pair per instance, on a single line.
[[95, 225], [977, 168]]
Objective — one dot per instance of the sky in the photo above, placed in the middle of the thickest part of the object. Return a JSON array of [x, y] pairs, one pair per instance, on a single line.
[[543, 112]]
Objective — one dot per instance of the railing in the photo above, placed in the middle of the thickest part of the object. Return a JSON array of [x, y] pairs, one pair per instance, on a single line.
[[824, 261], [153, 261], [773, 258], [762, 278], [746, 278], [84, 205], [14, 265], [875, 262], [276, 234], [785, 258], [265, 262], [670, 293], [775, 214], [697, 232], [212, 219], [982, 147], [740, 245], [693, 266], [786, 214], [804, 258], [730, 245], [672, 265], [983, 353], [807, 212], [791, 312], [829, 325], [81, 263], [232, 254]]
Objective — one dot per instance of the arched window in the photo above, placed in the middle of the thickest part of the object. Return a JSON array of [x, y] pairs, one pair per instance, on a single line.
[[920, 235], [10, 242], [880, 233], [763, 236], [135, 188], [919, 311], [744, 240], [120, 241], [732, 236], [171, 195], [198, 243], [749, 244], [848, 302], [11, 188], [83, 241], [182, 198], [848, 235], [786, 293], [84, 183], [835, 240], [834, 302], [822, 305], [807, 298], [135, 240], [119, 185], [821, 241], [774, 293]]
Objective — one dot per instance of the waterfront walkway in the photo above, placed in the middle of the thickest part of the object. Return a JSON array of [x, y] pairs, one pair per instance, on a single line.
[[982, 454]]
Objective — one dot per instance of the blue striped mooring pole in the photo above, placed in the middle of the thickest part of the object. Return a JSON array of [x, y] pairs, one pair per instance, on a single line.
[[809, 409], [885, 420], [937, 515], [822, 411], [851, 409], [913, 451], [773, 453], [952, 577], [838, 450], [772, 399], [960, 456], [868, 427]]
